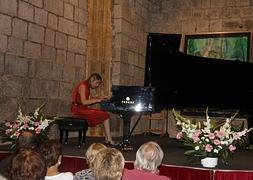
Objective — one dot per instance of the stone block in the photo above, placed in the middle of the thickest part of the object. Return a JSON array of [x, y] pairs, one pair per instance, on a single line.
[[52, 89], [19, 29], [55, 6], [203, 26], [9, 7], [70, 58], [61, 56], [66, 89], [82, 4], [80, 60], [13, 86], [16, 66], [68, 27], [40, 16], [15, 46], [49, 37], [81, 16], [68, 11], [56, 72], [36, 33], [3, 43], [76, 45], [82, 31], [52, 21], [74, 2], [68, 74], [117, 11], [1, 65], [61, 41], [43, 70], [215, 25], [38, 88], [5, 24], [25, 11], [48, 53], [38, 3], [32, 50], [32, 69]]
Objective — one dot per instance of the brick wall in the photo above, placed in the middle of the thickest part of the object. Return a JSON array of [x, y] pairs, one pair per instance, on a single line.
[[42, 53], [130, 27]]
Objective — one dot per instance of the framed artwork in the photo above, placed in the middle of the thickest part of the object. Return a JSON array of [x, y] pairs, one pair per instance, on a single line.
[[224, 46]]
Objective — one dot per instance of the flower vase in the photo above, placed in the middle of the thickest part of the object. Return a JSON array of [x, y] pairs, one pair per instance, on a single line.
[[209, 162]]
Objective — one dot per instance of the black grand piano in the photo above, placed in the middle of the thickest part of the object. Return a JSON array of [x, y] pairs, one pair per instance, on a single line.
[[183, 81]]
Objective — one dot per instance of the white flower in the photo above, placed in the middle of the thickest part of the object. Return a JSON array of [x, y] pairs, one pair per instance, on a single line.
[[196, 148], [207, 140], [216, 151]]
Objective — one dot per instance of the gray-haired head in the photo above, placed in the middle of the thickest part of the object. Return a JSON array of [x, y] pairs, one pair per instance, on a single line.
[[148, 157]]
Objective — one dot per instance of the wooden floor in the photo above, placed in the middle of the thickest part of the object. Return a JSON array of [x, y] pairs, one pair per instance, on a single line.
[[173, 150]]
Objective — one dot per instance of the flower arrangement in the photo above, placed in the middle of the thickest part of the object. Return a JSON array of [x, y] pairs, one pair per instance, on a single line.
[[36, 121], [209, 138]]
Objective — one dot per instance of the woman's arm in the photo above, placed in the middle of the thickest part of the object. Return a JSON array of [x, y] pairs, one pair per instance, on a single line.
[[85, 101]]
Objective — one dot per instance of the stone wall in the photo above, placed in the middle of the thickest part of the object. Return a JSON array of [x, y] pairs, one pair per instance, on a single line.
[[206, 16], [130, 28], [42, 53]]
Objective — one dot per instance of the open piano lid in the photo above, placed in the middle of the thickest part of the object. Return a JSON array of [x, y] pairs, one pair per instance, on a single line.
[[185, 81]]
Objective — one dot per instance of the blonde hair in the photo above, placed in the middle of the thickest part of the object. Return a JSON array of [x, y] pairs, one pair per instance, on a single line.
[[148, 157], [92, 151], [108, 164]]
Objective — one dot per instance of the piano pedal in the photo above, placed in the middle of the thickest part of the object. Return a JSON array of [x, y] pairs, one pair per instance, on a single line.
[[126, 146]]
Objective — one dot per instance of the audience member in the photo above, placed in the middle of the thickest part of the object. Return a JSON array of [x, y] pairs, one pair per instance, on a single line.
[[108, 164], [26, 139], [90, 156], [27, 164], [148, 157], [52, 153]]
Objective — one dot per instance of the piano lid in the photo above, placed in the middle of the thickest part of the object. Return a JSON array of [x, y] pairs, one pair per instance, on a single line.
[[185, 81]]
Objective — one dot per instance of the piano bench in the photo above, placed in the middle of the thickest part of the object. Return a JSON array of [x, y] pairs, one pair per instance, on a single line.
[[66, 124]]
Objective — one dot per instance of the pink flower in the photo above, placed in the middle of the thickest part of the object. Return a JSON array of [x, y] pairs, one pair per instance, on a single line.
[[197, 132], [216, 142], [179, 135], [36, 123], [231, 148], [8, 124], [37, 130], [211, 135], [209, 148], [220, 134], [195, 137], [25, 126], [236, 136]]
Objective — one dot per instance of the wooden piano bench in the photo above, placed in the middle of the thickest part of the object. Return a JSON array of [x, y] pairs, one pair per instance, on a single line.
[[66, 124]]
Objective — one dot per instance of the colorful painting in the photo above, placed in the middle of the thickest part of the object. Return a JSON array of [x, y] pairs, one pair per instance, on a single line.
[[226, 46]]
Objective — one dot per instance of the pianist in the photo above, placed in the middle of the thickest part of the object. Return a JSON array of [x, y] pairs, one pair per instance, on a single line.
[[81, 99]]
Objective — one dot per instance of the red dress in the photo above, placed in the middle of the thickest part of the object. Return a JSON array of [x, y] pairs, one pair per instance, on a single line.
[[93, 116]]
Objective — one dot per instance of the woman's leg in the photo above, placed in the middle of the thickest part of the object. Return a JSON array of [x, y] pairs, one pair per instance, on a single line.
[[107, 131]]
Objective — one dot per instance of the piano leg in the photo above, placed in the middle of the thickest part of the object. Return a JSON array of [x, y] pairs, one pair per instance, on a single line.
[[126, 145]]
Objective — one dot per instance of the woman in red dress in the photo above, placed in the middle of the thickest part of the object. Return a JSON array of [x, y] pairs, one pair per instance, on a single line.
[[81, 99]]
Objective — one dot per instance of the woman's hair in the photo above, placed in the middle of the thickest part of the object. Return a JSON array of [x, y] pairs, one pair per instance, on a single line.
[[92, 152], [93, 77], [27, 164], [148, 157], [51, 151], [27, 139], [108, 164]]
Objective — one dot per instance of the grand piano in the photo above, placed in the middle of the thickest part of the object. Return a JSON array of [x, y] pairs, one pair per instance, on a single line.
[[185, 81], [191, 84]]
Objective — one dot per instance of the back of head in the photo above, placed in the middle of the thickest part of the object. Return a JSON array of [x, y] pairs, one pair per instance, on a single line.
[[148, 157], [26, 139], [108, 164], [92, 151], [51, 151], [27, 164]]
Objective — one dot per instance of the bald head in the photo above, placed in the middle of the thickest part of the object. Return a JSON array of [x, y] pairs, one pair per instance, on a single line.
[[148, 157]]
